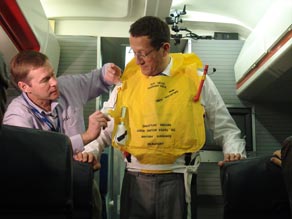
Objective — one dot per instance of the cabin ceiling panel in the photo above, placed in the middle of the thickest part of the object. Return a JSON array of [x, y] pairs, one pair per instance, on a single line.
[[221, 16], [86, 8], [122, 10], [247, 12]]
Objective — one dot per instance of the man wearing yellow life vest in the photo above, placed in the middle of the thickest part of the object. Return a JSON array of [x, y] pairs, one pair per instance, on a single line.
[[159, 127]]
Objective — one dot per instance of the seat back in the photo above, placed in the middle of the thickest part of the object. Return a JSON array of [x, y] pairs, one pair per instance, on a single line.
[[36, 174], [286, 155], [82, 188], [254, 187]]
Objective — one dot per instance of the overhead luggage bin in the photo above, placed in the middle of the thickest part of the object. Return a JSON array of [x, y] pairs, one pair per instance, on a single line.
[[266, 54]]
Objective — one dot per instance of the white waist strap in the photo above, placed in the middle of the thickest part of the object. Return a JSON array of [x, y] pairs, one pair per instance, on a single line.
[[178, 167], [188, 173]]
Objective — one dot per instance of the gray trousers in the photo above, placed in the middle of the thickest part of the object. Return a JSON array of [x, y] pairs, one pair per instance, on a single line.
[[155, 196]]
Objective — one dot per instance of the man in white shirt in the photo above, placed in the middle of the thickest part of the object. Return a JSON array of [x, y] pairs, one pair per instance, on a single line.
[[159, 127]]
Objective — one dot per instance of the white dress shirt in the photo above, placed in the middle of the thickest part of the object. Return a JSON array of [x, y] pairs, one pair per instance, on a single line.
[[217, 118]]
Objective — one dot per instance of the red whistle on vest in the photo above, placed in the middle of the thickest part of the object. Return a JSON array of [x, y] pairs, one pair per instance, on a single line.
[[197, 97]]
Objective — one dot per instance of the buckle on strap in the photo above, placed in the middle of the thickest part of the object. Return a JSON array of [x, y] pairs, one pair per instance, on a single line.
[[188, 157], [127, 156], [189, 160]]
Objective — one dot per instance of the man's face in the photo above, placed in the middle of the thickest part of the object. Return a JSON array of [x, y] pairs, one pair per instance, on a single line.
[[148, 58], [41, 85]]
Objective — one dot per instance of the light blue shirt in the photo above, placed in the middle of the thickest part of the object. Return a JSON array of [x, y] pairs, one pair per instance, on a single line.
[[75, 92]]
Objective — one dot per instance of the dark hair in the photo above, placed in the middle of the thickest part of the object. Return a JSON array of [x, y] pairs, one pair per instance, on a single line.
[[153, 27], [24, 62]]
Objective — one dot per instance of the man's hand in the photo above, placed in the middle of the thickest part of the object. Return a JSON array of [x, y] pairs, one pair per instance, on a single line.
[[88, 158], [112, 73], [96, 121], [229, 158], [276, 159]]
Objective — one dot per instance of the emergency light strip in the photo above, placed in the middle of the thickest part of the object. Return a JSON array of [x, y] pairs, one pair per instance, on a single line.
[[197, 97]]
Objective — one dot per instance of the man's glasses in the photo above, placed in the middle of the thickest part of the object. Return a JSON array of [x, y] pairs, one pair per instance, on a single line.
[[141, 55]]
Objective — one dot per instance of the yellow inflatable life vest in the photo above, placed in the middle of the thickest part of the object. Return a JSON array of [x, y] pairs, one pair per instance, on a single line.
[[156, 119]]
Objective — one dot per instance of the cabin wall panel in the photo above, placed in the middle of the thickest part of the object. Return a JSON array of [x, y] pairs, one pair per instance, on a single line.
[[219, 54], [273, 124], [208, 182], [78, 55]]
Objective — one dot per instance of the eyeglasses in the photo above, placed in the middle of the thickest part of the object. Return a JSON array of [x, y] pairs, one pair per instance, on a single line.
[[142, 56]]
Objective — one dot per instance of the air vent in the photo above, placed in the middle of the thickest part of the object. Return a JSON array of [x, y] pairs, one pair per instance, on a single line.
[[225, 36]]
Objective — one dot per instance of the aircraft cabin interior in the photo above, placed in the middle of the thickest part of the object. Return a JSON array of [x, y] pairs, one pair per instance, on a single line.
[[246, 44]]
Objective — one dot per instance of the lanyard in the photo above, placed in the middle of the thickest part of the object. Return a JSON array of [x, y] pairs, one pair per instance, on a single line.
[[43, 117]]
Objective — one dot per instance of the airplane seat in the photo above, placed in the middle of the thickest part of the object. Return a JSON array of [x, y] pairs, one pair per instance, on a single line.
[[254, 188], [286, 155], [82, 190], [39, 178], [103, 183]]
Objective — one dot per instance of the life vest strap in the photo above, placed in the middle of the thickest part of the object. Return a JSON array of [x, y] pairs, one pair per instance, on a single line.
[[188, 158]]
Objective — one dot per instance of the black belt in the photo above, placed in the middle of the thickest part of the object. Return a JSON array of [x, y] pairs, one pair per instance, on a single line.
[[134, 173], [188, 158]]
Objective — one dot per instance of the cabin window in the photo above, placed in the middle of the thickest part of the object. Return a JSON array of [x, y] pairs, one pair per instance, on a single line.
[[128, 55]]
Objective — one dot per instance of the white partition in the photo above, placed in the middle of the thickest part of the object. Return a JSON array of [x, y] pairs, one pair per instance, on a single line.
[[38, 21]]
